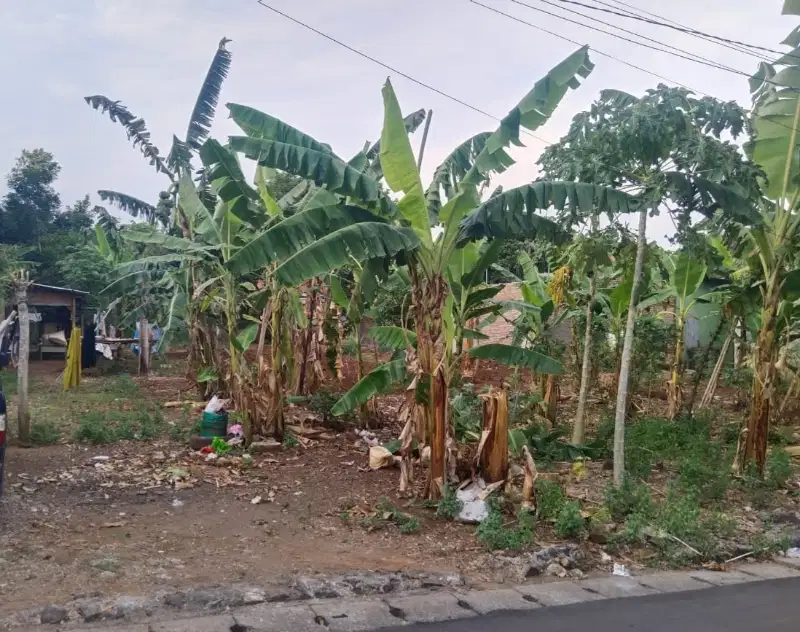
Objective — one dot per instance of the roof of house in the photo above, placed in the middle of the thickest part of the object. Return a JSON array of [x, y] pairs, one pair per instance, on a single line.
[[54, 288]]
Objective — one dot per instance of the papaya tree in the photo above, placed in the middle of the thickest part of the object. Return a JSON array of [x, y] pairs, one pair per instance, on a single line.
[[655, 146]]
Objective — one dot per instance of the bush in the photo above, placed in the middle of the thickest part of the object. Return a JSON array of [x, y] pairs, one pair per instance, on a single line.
[[449, 506], [705, 472], [778, 469], [496, 536], [632, 497], [45, 433], [570, 522], [94, 428], [107, 427], [550, 500]]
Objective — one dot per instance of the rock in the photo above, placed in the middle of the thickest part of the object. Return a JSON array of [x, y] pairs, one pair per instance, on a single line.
[[262, 447], [576, 573], [785, 516], [526, 565], [254, 596], [53, 615], [91, 609], [130, 608], [555, 570]]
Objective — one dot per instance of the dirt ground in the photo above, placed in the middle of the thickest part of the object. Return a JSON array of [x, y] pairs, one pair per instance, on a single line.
[[135, 517]]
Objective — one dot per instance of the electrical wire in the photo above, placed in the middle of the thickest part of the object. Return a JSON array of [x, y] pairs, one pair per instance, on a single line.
[[695, 59], [634, 12], [596, 50], [394, 70], [675, 26]]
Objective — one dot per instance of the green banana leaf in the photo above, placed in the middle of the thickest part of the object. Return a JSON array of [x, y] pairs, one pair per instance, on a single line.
[[518, 356], [375, 382]]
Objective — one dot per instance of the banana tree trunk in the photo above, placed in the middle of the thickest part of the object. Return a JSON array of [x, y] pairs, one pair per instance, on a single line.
[[429, 294], [713, 381], [753, 438], [675, 385], [579, 429], [627, 354], [307, 339], [275, 379], [493, 447], [703, 363], [552, 392]]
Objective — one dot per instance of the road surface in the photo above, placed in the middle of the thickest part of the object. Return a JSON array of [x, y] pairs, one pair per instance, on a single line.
[[767, 606]]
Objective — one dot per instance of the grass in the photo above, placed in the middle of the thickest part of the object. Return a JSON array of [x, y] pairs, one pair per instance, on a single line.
[[449, 506], [387, 514], [496, 534], [141, 424]]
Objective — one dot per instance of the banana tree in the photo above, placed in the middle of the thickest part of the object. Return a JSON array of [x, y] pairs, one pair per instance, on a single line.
[[686, 276]]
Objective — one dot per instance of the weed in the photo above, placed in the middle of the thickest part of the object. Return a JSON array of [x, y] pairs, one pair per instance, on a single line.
[[344, 516], [705, 471], [764, 545], [45, 433], [122, 387], [570, 522], [632, 497], [449, 506], [321, 403], [778, 468], [550, 499], [386, 513], [495, 535], [94, 428], [289, 440]]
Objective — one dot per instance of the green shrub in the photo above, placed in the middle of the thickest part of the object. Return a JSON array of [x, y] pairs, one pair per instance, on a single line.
[[705, 472], [778, 468], [122, 387], [467, 413], [449, 506], [632, 497], [45, 433], [570, 522], [496, 536], [550, 500]]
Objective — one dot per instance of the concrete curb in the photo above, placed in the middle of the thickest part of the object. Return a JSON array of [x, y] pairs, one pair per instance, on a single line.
[[373, 613]]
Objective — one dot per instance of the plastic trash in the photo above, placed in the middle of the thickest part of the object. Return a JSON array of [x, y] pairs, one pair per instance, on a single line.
[[216, 405], [474, 508], [793, 552], [620, 570]]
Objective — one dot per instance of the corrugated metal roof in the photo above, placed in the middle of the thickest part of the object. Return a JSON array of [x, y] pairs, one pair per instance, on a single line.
[[53, 288]]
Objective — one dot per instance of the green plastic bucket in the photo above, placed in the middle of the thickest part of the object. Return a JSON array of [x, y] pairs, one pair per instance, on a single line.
[[214, 425]]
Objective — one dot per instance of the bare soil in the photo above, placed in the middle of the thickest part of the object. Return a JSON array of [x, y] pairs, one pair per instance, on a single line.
[[155, 516]]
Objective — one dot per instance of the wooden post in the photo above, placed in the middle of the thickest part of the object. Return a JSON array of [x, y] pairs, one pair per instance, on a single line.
[[144, 347], [21, 283]]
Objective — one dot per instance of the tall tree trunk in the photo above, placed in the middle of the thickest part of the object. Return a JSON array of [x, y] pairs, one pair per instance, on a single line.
[[579, 429], [711, 387], [23, 412], [675, 385], [703, 363], [627, 353], [753, 438]]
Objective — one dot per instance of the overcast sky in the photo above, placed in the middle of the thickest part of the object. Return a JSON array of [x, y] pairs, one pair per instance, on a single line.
[[153, 54]]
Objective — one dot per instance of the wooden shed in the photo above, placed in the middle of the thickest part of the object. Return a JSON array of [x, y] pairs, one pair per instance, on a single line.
[[53, 312]]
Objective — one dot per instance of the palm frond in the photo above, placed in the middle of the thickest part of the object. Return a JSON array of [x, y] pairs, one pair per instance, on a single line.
[[206, 106], [135, 128], [131, 205]]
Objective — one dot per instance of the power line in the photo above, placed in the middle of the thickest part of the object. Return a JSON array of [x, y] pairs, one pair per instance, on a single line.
[[634, 12], [392, 69], [596, 50], [720, 65], [675, 26], [627, 39]]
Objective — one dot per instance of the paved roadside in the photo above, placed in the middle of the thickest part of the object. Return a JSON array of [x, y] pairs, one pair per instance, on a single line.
[[754, 596]]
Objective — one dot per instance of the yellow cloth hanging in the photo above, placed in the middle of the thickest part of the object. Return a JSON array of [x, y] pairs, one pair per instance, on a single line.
[[72, 373]]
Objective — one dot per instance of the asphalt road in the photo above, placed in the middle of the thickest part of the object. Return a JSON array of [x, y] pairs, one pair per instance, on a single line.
[[767, 606]]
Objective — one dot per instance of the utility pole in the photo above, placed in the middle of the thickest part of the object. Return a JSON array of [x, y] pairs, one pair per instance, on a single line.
[[21, 282], [144, 347]]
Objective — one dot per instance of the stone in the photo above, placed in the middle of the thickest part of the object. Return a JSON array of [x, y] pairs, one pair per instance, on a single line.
[[275, 618], [721, 579], [528, 565], [130, 607], [763, 570], [429, 608], [672, 582], [91, 609], [262, 447], [486, 601], [614, 587], [53, 614], [254, 596], [786, 516], [558, 593], [218, 623], [555, 570], [355, 615]]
